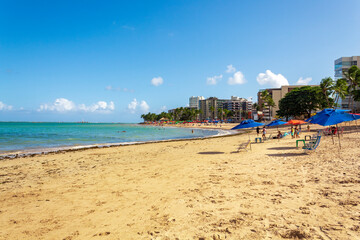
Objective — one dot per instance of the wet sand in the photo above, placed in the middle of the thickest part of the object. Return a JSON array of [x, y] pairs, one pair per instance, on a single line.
[[194, 189]]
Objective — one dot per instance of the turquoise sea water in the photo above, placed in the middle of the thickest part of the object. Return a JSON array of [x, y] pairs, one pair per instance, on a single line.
[[19, 136]]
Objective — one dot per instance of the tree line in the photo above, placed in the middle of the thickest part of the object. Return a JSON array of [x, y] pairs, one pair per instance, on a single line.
[[179, 114], [307, 99], [186, 114]]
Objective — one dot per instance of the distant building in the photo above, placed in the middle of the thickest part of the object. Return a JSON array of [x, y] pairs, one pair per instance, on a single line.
[[276, 94], [171, 111], [209, 108], [194, 102], [342, 65], [240, 107]]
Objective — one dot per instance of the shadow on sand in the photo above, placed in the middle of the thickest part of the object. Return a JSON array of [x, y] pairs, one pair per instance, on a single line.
[[286, 154], [210, 153], [282, 148]]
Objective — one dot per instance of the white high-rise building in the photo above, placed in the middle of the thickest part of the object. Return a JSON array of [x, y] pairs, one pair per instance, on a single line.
[[194, 102], [342, 65]]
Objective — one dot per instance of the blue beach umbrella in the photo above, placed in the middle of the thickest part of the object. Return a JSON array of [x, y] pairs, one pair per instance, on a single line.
[[330, 116], [247, 124], [276, 123]]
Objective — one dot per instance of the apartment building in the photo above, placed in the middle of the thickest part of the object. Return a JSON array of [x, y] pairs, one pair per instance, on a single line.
[[240, 107], [276, 94], [194, 102], [342, 65]]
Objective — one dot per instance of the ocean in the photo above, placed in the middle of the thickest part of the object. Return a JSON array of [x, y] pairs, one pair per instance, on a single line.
[[40, 137]]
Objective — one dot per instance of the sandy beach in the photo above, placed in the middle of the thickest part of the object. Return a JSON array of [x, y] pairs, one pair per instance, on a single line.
[[193, 189]]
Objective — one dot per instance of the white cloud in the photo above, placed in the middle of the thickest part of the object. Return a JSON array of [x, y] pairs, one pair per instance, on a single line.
[[99, 106], [156, 81], [144, 107], [303, 81], [134, 105], [60, 105], [230, 69], [213, 80], [237, 79], [5, 107], [63, 105], [271, 79]]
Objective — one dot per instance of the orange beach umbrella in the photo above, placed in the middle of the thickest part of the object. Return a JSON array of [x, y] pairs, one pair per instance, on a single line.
[[295, 122]]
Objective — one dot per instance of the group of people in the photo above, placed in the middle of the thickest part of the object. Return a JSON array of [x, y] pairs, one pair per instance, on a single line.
[[295, 132]]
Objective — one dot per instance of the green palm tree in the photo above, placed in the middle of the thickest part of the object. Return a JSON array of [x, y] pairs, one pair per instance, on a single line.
[[327, 86], [266, 97], [212, 110], [340, 89], [221, 112], [351, 76], [226, 113]]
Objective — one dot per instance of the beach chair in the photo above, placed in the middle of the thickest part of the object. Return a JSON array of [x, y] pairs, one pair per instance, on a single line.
[[286, 134], [244, 146], [312, 145], [268, 138]]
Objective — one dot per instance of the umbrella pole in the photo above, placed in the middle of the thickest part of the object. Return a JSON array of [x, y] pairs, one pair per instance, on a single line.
[[338, 135]]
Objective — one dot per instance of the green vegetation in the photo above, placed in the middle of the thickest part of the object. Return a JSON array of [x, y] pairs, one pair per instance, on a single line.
[[185, 114], [352, 76], [179, 114], [303, 101], [327, 86], [267, 99]]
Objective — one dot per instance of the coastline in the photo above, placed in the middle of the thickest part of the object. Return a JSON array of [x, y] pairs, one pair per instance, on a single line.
[[185, 189], [62, 149]]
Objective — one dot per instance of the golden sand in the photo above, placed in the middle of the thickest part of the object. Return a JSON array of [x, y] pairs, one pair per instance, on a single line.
[[195, 189]]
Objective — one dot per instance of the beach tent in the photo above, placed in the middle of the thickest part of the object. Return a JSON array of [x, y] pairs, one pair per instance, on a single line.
[[247, 124], [331, 116]]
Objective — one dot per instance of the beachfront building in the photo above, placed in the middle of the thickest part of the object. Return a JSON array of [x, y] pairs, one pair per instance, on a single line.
[[276, 94], [240, 107], [209, 108], [342, 65], [194, 102]]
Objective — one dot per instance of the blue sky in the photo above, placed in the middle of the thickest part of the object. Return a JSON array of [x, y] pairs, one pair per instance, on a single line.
[[90, 60]]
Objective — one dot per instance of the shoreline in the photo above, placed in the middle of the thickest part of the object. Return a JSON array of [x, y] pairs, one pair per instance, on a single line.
[[186, 189], [62, 149]]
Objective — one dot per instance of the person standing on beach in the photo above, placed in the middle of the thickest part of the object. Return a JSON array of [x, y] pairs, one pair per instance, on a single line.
[[292, 132], [258, 130], [264, 133], [297, 131]]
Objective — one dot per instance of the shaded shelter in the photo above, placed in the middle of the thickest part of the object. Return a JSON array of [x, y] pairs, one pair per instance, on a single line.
[[247, 124], [331, 116]]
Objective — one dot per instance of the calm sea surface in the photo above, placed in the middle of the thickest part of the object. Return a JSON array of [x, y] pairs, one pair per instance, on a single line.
[[18, 136]]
